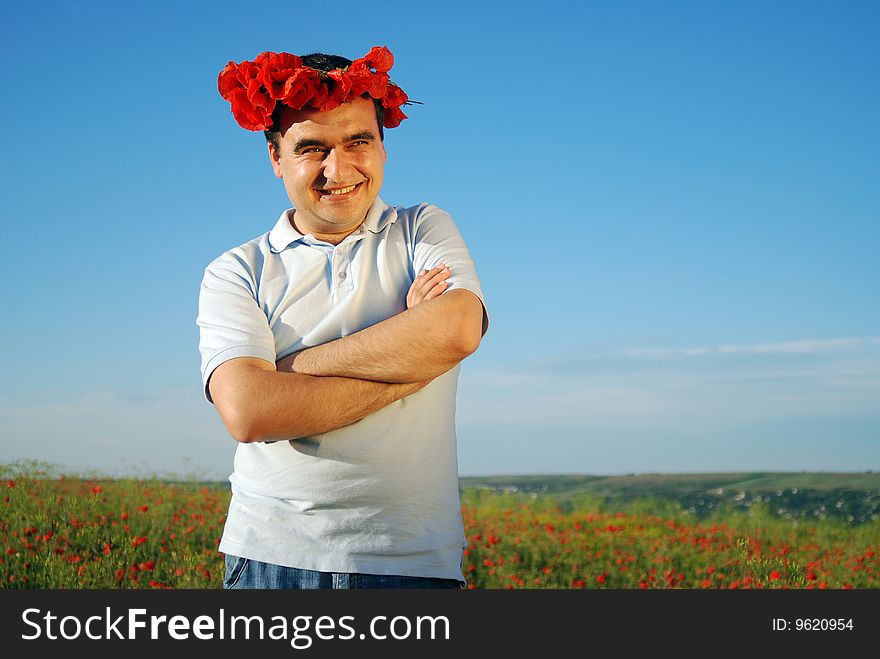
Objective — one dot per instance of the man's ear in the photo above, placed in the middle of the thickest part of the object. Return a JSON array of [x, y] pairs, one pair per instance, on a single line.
[[273, 158]]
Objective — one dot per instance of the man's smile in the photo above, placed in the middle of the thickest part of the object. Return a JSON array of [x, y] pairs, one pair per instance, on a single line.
[[339, 193]]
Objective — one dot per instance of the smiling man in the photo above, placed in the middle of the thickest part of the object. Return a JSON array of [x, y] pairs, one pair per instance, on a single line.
[[331, 345]]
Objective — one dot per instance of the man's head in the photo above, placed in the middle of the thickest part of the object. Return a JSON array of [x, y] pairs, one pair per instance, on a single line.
[[321, 62], [322, 116], [332, 165]]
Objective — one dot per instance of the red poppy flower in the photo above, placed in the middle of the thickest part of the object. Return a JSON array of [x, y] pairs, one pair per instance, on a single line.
[[300, 88], [364, 81], [392, 117], [379, 58], [251, 103], [276, 70], [332, 93]]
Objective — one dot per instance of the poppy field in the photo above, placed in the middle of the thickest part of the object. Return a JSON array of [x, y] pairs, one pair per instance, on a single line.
[[74, 532], [517, 542]]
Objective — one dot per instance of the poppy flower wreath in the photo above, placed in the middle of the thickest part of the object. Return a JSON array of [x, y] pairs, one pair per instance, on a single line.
[[254, 87]]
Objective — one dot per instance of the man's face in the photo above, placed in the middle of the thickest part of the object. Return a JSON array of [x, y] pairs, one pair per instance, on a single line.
[[332, 164]]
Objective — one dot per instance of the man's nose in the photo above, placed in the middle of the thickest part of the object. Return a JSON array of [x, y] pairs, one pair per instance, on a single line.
[[336, 166]]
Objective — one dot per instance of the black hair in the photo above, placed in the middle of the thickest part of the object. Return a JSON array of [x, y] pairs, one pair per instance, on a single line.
[[322, 62]]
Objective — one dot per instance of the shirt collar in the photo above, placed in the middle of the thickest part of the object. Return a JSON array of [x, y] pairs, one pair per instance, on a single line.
[[283, 234]]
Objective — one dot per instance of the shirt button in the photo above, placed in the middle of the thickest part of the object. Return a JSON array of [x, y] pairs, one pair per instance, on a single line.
[[342, 276]]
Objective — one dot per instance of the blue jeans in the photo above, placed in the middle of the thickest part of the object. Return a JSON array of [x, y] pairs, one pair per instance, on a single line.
[[244, 573]]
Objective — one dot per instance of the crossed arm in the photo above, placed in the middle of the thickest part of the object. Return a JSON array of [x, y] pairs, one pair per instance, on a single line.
[[335, 384]]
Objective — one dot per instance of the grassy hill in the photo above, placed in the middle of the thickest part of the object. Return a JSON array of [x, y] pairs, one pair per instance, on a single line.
[[853, 498]]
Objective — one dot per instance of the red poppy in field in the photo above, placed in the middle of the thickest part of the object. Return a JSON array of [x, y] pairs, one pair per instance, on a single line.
[[775, 575], [143, 509], [139, 540]]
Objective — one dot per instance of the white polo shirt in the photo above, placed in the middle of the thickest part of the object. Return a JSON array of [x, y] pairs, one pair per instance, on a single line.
[[379, 496]]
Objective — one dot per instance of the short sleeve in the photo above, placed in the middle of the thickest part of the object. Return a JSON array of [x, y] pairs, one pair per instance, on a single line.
[[230, 320], [438, 240]]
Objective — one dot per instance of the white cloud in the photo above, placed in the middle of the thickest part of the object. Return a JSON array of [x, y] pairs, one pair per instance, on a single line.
[[802, 347], [758, 402]]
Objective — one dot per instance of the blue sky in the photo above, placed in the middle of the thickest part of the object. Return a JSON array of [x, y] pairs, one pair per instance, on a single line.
[[674, 208]]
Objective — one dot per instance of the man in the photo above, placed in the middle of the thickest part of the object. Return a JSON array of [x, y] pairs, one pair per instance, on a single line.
[[331, 346]]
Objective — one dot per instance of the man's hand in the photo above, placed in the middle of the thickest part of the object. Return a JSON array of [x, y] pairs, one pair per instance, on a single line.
[[428, 285]]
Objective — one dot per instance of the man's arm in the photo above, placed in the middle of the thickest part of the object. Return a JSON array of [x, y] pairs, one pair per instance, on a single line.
[[423, 341], [257, 403], [415, 345]]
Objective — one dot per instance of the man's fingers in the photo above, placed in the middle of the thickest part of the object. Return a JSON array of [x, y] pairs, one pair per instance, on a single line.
[[436, 291], [440, 273], [428, 274], [441, 276], [427, 285], [428, 279]]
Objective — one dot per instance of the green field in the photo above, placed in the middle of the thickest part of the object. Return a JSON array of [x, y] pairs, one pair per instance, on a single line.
[[853, 498], [799, 530]]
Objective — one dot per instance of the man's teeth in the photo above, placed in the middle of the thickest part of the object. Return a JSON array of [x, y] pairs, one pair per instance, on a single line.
[[342, 190]]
